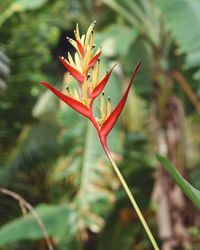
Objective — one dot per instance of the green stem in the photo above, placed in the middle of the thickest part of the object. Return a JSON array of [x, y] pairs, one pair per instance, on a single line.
[[132, 199]]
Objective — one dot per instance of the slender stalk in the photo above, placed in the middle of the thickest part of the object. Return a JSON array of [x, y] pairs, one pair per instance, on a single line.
[[131, 198]]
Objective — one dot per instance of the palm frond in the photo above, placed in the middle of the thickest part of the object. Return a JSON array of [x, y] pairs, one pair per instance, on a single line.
[[186, 31]]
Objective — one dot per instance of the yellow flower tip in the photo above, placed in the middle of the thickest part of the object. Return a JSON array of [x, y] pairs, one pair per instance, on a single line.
[[76, 94], [93, 24], [84, 91], [103, 106], [105, 110], [78, 63], [89, 35], [109, 109], [86, 60], [83, 38], [77, 33], [73, 43], [70, 60], [69, 92]]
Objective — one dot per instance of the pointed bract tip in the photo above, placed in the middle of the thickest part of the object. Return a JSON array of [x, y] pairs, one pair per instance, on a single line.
[[93, 23], [61, 57], [138, 64], [136, 68]]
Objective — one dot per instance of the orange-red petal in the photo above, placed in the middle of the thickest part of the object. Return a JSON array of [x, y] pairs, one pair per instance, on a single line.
[[78, 106], [100, 86], [94, 60], [75, 73], [80, 48]]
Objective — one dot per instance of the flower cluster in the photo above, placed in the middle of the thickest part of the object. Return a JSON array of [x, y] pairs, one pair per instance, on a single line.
[[85, 69]]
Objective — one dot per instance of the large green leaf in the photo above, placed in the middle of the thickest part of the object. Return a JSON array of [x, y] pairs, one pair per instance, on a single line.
[[94, 193], [192, 193], [55, 219], [36, 148], [182, 17], [112, 39]]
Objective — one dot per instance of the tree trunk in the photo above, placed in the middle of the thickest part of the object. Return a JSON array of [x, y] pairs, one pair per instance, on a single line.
[[175, 213]]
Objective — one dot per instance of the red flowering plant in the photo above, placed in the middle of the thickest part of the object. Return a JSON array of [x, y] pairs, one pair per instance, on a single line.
[[85, 69]]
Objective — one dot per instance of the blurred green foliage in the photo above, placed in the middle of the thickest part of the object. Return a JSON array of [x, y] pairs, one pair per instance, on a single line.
[[51, 156]]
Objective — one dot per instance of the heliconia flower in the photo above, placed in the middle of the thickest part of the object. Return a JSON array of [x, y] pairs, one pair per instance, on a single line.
[[85, 69]]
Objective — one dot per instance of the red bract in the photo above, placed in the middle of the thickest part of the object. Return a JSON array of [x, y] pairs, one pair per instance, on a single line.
[[94, 60], [111, 120], [80, 48], [74, 72], [99, 88], [78, 106]]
